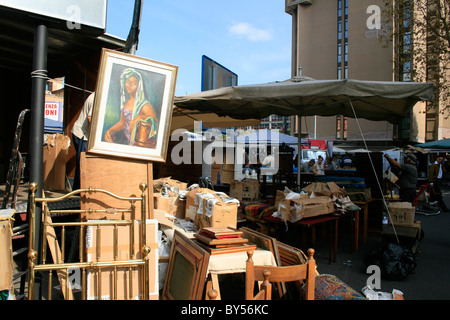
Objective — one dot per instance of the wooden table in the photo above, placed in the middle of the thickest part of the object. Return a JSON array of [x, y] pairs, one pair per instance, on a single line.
[[311, 223], [354, 227], [365, 208]]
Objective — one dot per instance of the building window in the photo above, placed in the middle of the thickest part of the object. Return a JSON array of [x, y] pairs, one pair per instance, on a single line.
[[405, 64], [342, 60]]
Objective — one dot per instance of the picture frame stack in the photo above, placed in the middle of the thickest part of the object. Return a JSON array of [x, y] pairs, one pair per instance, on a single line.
[[223, 240]]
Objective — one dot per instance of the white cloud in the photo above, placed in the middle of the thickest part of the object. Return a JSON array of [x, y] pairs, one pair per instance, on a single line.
[[246, 30]]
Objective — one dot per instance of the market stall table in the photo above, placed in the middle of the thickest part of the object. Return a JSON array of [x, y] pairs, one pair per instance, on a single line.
[[228, 263], [312, 223]]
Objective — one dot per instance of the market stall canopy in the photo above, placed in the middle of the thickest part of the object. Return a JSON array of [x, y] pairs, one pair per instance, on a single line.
[[359, 150], [185, 119], [338, 150], [272, 137], [372, 100], [438, 144]]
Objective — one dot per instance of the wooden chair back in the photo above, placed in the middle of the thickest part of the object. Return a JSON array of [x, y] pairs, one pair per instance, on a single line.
[[302, 273]]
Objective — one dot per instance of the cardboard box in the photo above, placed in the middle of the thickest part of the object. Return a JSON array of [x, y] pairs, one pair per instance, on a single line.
[[191, 203], [106, 253], [54, 161], [401, 213], [6, 258], [297, 209], [408, 236], [324, 189], [208, 208], [245, 190], [171, 205], [169, 182], [227, 175], [280, 196]]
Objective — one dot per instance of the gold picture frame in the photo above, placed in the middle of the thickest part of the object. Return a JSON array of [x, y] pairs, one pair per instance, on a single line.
[[132, 107]]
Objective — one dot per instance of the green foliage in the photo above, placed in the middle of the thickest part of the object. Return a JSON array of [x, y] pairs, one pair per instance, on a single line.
[[420, 32]]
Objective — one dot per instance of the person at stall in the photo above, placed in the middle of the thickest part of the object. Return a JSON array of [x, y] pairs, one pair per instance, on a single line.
[[296, 161], [319, 166], [346, 161], [331, 163], [248, 167], [80, 135], [407, 176], [268, 165], [436, 176], [310, 166]]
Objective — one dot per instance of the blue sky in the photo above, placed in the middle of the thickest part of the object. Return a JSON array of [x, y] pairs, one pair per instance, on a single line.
[[251, 38]]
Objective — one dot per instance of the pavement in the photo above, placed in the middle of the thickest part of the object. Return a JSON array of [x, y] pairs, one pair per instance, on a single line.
[[430, 280]]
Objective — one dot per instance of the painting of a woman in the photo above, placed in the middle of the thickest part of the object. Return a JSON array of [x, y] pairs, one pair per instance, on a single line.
[[138, 122], [133, 106]]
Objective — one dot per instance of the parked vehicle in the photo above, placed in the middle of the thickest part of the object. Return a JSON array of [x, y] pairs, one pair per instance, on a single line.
[[314, 150]]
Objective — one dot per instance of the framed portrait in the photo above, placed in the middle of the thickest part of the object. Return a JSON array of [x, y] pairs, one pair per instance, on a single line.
[[132, 107]]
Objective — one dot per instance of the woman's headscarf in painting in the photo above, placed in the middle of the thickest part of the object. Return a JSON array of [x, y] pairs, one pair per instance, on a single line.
[[140, 100]]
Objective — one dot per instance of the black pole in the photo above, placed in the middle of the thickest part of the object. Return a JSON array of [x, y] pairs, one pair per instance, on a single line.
[[133, 36], [38, 81]]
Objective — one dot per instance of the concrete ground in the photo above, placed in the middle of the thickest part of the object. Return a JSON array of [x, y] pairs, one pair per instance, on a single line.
[[430, 280]]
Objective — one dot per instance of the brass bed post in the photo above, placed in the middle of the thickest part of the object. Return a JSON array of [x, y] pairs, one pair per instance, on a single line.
[[32, 254], [145, 249]]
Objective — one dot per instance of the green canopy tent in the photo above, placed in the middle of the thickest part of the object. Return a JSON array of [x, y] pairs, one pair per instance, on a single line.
[[438, 144]]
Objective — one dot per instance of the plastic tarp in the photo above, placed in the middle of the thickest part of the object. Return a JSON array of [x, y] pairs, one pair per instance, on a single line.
[[395, 261], [372, 100]]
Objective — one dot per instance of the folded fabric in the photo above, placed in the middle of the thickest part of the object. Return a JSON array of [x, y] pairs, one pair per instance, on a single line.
[[259, 210]]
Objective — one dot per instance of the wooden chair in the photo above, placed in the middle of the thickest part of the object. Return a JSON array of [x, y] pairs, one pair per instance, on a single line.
[[301, 273]]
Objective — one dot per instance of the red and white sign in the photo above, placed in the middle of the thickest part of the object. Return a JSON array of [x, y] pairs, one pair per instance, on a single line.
[[52, 111]]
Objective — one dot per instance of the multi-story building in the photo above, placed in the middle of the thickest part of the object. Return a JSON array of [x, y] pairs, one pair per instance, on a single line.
[[340, 39], [274, 122]]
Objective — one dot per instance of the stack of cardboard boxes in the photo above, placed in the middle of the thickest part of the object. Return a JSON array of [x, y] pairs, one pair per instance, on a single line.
[[205, 207], [208, 208]]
